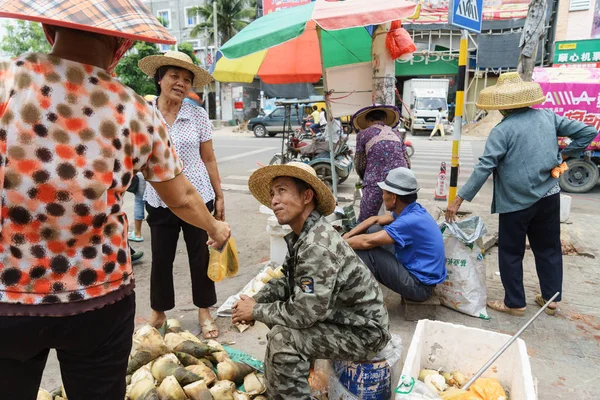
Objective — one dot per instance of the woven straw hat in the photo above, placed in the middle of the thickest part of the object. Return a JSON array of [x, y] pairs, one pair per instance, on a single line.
[[150, 64], [510, 92], [260, 184], [359, 119]]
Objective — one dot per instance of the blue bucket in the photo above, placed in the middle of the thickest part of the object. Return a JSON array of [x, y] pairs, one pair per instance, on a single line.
[[367, 381]]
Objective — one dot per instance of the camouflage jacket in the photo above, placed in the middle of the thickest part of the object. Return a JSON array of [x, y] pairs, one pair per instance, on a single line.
[[325, 281]]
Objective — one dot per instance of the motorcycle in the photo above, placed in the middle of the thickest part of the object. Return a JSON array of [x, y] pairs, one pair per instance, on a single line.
[[316, 154], [410, 150]]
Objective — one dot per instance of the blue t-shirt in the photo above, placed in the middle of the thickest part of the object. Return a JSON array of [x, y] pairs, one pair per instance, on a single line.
[[419, 244]]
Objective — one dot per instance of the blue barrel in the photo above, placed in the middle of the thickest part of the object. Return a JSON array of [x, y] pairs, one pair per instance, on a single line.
[[367, 381]]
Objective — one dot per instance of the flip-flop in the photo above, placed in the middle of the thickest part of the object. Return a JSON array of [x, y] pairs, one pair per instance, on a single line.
[[499, 305], [540, 300], [209, 326], [134, 238]]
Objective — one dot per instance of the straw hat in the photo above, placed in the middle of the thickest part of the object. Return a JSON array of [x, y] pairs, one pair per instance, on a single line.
[[510, 92], [129, 20], [359, 119], [150, 64], [401, 181], [260, 184]]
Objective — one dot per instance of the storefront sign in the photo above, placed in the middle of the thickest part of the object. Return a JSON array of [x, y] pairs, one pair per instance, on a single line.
[[273, 5], [577, 52]]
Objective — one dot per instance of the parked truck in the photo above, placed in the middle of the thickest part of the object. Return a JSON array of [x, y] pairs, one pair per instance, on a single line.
[[422, 98]]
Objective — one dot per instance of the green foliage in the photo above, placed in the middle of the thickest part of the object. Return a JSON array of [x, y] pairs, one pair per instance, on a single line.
[[232, 17], [188, 49], [130, 74], [23, 37]]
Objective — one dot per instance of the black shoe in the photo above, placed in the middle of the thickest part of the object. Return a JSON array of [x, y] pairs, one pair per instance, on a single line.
[[135, 257]]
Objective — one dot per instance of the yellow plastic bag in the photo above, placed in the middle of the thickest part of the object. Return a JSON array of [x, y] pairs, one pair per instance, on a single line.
[[482, 389], [223, 264]]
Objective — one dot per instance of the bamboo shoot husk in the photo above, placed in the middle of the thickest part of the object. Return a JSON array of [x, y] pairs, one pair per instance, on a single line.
[[254, 384], [151, 395], [170, 389], [190, 336], [43, 395], [187, 359], [237, 395], [143, 373], [197, 350], [172, 340], [207, 374], [233, 371], [173, 326], [221, 354], [223, 390], [163, 368], [148, 338], [197, 391], [261, 398], [141, 388]]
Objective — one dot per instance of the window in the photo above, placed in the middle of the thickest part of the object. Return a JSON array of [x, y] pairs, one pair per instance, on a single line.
[[277, 113], [164, 47], [195, 44], [579, 5], [191, 17], [164, 16]]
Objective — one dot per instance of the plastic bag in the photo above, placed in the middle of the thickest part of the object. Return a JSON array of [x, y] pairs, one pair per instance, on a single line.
[[410, 388], [350, 380], [223, 263], [465, 288], [398, 41]]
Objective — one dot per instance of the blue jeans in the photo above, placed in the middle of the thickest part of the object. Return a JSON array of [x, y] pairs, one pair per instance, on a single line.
[[138, 208]]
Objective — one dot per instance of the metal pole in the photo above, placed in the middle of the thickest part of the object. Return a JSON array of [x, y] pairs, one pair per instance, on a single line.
[[217, 83], [206, 87], [458, 113], [506, 346]]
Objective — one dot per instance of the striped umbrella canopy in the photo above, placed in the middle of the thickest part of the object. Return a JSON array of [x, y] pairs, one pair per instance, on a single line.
[[286, 46]]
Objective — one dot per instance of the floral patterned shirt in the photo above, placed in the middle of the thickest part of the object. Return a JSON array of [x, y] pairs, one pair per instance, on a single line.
[[71, 138]]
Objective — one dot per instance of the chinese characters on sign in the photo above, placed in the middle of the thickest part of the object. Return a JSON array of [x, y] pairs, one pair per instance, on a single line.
[[584, 53]]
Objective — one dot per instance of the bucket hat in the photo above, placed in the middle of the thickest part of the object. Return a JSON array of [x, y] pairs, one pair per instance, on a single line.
[[150, 64], [400, 181], [510, 92], [128, 20], [260, 184], [359, 119]]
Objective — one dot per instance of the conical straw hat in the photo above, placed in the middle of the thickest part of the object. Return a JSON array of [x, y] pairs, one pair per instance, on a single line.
[[510, 92], [150, 64], [260, 184]]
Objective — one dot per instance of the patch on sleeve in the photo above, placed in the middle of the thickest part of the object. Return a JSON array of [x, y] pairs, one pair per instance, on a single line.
[[307, 284]]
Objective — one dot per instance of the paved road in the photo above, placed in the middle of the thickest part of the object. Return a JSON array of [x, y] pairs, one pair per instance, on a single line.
[[241, 154]]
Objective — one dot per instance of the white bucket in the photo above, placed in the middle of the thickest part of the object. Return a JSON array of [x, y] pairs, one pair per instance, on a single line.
[[278, 245], [565, 207]]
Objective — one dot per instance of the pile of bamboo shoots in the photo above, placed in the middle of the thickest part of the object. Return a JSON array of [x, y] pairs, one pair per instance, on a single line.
[[179, 366]]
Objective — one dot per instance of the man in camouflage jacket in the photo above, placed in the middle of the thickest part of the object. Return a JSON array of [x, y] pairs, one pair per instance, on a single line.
[[328, 305]]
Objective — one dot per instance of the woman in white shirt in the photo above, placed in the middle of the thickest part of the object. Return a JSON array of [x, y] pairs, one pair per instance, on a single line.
[[191, 132]]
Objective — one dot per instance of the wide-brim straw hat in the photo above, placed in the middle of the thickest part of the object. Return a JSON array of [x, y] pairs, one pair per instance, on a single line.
[[392, 116], [260, 184], [510, 92], [150, 64], [129, 20]]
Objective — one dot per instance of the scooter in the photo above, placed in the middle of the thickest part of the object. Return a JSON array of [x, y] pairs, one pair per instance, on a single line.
[[410, 150]]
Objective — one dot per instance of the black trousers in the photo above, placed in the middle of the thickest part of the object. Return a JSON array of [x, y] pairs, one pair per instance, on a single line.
[[541, 224], [164, 230], [93, 349]]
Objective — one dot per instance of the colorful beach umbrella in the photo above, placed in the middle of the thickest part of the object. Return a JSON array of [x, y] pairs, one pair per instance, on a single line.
[[285, 46]]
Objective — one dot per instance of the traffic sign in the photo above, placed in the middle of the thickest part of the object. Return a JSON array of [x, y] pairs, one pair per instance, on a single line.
[[466, 14]]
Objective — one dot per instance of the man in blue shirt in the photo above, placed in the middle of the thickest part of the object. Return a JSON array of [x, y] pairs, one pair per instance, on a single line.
[[405, 249]]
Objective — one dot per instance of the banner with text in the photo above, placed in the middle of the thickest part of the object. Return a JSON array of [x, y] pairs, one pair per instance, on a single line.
[[273, 5]]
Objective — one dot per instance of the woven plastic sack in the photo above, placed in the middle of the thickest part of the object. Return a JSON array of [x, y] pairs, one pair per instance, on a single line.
[[223, 263], [465, 288], [398, 41]]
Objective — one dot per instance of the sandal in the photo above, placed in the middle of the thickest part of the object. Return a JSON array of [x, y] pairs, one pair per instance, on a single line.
[[134, 238], [208, 327], [499, 305], [540, 300]]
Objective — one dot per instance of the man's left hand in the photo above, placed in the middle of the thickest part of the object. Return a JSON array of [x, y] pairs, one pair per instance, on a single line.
[[242, 310]]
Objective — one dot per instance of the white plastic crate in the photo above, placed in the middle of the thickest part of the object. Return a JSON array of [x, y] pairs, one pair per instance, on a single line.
[[451, 347]]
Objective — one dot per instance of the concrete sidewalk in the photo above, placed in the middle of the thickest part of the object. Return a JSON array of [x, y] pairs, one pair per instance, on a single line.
[[564, 350]]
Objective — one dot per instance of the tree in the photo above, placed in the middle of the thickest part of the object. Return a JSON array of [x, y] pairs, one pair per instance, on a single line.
[[533, 31], [188, 49], [232, 17], [24, 37], [130, 74]]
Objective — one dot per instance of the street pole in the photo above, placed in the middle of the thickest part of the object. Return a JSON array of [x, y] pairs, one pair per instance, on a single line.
[[458, 113], [206, 87], [217, 83], [384, 68]]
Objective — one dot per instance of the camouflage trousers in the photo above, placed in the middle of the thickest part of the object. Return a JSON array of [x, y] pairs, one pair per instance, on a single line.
[[290, 352]]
